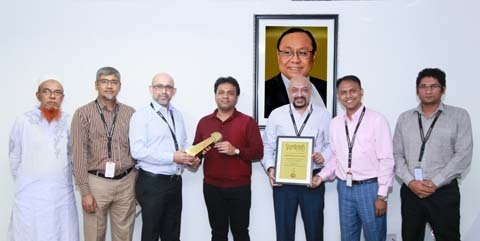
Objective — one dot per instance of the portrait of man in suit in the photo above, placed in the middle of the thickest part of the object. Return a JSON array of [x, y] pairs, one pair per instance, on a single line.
[[298, 53]]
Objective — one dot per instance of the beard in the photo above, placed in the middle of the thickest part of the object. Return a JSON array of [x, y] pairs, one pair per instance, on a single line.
[[51, 114], [299, 105], [110, 97], [163, 102]]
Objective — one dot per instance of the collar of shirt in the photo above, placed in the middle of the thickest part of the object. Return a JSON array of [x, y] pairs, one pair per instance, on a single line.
[[297, 115], [164, 110], [103, 106], [214, 115], [355, 115], [419, 110]]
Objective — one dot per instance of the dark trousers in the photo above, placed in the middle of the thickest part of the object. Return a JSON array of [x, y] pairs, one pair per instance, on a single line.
[[160, 197], [441, 210], [287, 199], [228, 206]]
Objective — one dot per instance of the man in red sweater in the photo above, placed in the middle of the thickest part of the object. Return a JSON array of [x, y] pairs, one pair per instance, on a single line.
[[228, 165]]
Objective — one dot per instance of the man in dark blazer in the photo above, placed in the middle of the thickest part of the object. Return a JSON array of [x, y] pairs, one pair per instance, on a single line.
[[296, 49]]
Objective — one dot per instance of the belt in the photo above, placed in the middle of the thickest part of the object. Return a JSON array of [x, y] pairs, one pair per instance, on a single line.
[[366, 181], [119, 176], [160, 176]]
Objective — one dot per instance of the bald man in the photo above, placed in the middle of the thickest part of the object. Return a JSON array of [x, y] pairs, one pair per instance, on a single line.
[[301, 118], [40, 163], [158, 138]]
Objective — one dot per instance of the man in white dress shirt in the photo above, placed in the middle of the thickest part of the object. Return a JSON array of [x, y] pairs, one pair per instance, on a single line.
[[300, 118], [157, 141], [40, 163]]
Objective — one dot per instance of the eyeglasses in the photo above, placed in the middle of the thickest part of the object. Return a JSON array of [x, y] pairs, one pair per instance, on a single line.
[[108, 81], [49, 92], [303, 54], [163, 87], [431, 87]]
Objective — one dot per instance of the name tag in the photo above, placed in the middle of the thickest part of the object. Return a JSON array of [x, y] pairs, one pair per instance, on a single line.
[[418, 172], [179, 170], [110, 169], [349, 179]]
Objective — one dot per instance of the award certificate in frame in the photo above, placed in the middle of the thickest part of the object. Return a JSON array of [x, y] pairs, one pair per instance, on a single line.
[[293, 160]]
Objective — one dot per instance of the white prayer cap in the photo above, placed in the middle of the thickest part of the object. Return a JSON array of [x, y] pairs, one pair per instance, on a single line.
[[46, 77]]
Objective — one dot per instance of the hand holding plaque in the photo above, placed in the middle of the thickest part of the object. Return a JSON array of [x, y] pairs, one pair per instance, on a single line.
[[199, 147]]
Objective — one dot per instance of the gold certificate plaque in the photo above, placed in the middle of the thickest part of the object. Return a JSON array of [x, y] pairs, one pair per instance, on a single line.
[[293, 163]]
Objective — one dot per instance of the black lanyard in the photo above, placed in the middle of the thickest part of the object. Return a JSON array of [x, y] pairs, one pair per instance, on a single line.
[[352, 142], [170, 128], [298, 133], [109, 132], [423, 137]]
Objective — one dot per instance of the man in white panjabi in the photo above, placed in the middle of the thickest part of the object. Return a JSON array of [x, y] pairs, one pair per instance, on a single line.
[[44, 205]]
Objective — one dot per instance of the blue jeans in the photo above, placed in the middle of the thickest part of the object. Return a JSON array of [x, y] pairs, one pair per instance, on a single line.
[[286, 200], [357, 209]]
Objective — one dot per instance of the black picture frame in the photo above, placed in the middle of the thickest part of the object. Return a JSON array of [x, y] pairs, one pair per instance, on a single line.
[[268, 29]]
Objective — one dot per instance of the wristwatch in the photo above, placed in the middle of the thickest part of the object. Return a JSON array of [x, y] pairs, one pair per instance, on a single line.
[[237, 151], [384, 198]]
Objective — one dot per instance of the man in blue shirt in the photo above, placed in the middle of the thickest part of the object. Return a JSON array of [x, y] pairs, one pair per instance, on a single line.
[[158, 138]]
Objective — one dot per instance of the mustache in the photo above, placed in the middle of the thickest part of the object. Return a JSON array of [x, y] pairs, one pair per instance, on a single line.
[[300, 97]]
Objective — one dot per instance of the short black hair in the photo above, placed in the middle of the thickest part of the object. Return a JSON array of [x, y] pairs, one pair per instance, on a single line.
[[229, 80], [351, 78], [435, 73], [298, 30]]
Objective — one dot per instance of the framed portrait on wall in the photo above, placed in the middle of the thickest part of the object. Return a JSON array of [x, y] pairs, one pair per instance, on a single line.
[[294, 55]]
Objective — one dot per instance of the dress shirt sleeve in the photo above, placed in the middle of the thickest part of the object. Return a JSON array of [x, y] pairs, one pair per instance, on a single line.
[[269, 143], [183, 135], [401, 167], [325, 145], [254, 148], [462, 148], [384, 151], [139, 147], [79, 142], [15, 148], [328, 171]]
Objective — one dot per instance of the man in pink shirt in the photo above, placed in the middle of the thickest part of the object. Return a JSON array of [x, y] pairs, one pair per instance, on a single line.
[[362, 160]]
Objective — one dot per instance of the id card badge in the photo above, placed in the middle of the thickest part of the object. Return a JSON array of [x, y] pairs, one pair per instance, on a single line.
[[418, 172], [349, 179], [110, 169], [179, 170]]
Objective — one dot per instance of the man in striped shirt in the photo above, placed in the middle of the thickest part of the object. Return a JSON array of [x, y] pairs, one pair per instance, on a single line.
[[102, 164]]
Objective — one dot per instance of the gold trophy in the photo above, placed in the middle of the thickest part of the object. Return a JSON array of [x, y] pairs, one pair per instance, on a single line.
[[214, 138]]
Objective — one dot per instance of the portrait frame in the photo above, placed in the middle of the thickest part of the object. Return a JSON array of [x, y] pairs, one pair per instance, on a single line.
[[293, 160], [268, 29]]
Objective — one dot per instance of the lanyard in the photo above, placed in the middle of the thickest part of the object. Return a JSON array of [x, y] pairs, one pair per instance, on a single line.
[[298, 133], [423, 137], [352, 142], [109, 132], [170, 128]]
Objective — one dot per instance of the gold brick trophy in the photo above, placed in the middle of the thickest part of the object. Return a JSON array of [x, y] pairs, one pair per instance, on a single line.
[[199, 147]]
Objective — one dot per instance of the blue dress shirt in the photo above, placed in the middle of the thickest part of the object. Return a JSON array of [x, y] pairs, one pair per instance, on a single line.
[[151, 141]]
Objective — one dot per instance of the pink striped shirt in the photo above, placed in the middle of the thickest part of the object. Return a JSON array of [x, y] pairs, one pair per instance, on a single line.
[[372, 154]]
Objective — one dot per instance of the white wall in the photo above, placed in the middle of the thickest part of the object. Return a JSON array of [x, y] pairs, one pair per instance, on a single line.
[[385, 43]]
